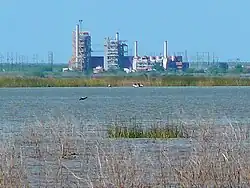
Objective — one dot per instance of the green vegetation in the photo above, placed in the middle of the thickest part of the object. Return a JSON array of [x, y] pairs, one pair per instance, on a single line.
[[123, 81], [138, 132]]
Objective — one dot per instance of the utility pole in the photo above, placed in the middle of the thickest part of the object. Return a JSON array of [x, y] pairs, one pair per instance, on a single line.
[[11, 61]]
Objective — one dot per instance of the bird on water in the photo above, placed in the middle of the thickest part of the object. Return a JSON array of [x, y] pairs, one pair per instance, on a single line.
[[83, 98]]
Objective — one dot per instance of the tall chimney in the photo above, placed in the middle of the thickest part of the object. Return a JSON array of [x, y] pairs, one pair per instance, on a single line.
[[117, 36], [165, 49], [136, 49], [77, 42]]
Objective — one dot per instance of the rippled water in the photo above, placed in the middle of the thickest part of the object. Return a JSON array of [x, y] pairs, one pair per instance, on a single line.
[[20, 105], [104, 104]]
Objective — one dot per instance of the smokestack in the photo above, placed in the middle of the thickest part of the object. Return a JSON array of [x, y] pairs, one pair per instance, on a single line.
[[136, 49], [165, 49], [77, 42], [117, 36]]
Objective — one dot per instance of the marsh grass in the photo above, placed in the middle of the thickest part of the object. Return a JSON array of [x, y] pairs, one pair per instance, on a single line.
[[122, 81], [151, 133]]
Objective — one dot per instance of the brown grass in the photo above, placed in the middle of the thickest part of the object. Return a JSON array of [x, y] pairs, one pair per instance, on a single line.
[[123, 81], [56, 154]]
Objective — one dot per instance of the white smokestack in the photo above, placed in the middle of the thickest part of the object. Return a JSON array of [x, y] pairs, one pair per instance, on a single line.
[[136, 49], [165, 49], [117, 36], [77, 42]]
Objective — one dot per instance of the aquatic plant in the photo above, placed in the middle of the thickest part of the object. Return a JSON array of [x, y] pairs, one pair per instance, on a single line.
[[152, 133]]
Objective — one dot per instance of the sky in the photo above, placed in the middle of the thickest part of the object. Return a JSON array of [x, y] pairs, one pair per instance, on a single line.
[[37, 26]]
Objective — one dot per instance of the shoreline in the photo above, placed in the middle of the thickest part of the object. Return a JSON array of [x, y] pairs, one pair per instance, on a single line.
[[164, 81]]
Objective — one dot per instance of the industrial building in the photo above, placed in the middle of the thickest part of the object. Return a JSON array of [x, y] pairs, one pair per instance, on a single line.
[[116, 56], [96, 61], [81, 50], [175, 63], [114, 51], [146, 63]]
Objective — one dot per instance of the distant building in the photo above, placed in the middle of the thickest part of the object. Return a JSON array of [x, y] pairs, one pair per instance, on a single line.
[[146, 63], [81, 50], [114, 50], [96, 61]]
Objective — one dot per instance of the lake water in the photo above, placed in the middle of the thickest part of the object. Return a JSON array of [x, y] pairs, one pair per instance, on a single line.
[[19, 105], [104, 105]]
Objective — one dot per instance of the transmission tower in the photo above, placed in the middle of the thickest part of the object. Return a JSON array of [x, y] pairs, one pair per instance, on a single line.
[[11, 61], [16, 61], [202, 59], [51, 60], [1, 61], [20, 62], [35, 59], [8, 60], [1, 58]]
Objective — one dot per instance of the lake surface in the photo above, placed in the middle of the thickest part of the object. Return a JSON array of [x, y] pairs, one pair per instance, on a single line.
[[19, 105], [104, 105]]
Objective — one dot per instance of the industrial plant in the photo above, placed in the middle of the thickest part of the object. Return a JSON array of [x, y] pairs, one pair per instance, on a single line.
[[116, 56], [81, 50], [114, 51]]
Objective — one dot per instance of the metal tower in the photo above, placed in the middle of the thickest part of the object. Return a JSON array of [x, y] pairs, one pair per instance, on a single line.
[[50, 60]]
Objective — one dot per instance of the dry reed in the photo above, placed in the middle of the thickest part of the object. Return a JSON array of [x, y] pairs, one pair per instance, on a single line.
[[61, 154], [123, 81]]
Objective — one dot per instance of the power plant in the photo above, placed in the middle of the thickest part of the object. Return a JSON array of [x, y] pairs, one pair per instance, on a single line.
[[81, 49], [114, 50], [115, 56]]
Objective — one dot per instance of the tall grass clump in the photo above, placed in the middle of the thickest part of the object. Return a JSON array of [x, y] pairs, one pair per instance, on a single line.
[[151, 133], [122, 81]]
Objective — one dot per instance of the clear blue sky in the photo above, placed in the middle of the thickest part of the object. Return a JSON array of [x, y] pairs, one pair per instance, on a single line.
[[37, 26]]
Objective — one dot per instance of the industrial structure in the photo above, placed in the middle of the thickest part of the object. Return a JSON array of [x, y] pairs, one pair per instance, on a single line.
[[148, 63], [51, 59], [116, 57], [81, 49], [114, 50]]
